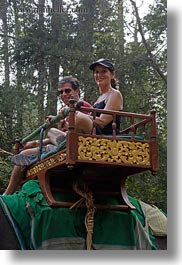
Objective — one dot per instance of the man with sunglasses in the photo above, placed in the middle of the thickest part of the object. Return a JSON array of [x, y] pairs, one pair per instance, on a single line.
[[68, 88]]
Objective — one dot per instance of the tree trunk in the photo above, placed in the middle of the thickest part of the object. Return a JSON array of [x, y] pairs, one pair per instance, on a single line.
[[149, 52], [7, 109], [19, 88], [120, 37], [41, 67], [54, 62]]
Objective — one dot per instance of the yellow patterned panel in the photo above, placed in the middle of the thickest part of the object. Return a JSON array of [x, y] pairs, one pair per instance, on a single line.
[[46, 164], [119, 151]]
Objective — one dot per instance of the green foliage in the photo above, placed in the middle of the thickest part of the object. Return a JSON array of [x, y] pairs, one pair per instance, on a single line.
[[150, 188], [5, 171]]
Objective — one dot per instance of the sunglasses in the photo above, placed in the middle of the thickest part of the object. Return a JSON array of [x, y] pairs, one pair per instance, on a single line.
[[66, 90]]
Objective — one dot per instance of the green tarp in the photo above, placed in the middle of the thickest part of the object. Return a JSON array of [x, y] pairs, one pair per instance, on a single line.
[[39, 226]]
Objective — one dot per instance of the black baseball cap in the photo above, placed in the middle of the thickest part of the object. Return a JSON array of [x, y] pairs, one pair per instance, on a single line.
[[104, 62]]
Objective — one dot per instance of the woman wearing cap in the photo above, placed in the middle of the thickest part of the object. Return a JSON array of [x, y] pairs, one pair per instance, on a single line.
[[110, 98]]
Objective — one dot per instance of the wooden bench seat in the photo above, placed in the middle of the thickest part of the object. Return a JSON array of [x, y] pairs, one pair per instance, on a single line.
[[100, 163]]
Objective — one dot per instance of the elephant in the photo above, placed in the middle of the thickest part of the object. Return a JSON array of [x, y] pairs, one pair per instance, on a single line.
[[9, 240], [8, 237]]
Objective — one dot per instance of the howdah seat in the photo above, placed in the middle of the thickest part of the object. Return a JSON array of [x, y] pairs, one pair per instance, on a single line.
[[99, 164]]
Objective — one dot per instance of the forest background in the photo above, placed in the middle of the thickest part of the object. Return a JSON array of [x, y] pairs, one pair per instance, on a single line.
[[43, 40]]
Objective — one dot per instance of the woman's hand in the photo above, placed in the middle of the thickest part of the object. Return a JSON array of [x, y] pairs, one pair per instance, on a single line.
[[62, 112], [48, 119]]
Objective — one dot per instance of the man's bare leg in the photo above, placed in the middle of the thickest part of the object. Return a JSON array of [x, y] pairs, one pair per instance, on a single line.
[[15, 180], [17, 173], [83, 124], [53, 134], [36, 143]]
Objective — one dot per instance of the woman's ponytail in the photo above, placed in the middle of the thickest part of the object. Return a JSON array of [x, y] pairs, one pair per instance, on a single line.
[[115, 83]]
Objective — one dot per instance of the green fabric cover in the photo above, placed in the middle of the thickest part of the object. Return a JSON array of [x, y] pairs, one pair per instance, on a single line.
[[39, 226]]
